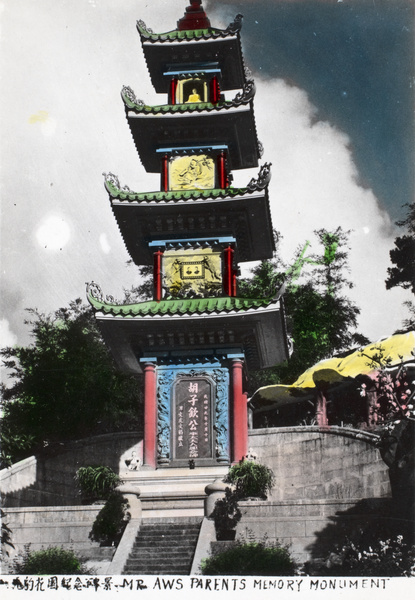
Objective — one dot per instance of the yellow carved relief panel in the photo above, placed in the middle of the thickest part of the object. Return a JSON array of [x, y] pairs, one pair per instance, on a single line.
[[192, 272], [192, 172]]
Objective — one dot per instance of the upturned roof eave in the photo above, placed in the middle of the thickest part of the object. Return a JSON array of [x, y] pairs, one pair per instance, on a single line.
[[181, 308], [188, 315], [158, 58], [186, 35], [233, 121], [134, 212], [248, 249], [227, 43], [137, 108], [244, 150], [118, 196], [259, 333]]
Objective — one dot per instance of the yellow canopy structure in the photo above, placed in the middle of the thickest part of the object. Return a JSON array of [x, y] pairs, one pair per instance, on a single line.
[[334, 371]]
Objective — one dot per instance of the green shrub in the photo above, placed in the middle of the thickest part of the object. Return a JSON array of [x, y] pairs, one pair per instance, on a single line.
[[251, 479], [226, 514], [52, 561], [6, 534], [111, 520], [377, 558], [96, 482], [255, 558]]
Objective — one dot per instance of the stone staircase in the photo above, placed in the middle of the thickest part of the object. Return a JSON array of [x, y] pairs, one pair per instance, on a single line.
[[164, 546]]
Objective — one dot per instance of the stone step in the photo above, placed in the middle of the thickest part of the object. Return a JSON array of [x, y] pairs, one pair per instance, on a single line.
[[149, 538], [139, 545], [178, 520], [158, 556], [166, 571], [174, 527], [154, 557], [151, 565], [170, 526], [180, 535], [153, 562], [149, 568], [160, 550], [164, 548], [167, 535]]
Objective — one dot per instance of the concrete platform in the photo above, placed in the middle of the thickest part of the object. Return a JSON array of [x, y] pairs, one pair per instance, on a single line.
[[173, 492]]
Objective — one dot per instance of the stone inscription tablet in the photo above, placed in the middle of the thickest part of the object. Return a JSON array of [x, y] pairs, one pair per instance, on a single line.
[[192, 430]]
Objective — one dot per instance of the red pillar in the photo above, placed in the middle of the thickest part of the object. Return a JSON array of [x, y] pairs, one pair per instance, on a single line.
[[214, 90], [165, 173], [228, 271], [234, 282], [157, 275], [321, 409], [150, 415], [173, 86], [222, 170], [239, 413], [372, 408]]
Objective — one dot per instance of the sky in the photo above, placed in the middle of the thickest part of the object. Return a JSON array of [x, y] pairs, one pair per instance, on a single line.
[[333, 110]]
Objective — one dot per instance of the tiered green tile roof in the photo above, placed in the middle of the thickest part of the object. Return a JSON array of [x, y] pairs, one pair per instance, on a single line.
[[130, 196], [178, 108], [187, 306], [189, 34]]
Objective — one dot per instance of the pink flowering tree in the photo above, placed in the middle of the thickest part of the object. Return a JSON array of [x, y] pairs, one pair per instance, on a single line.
[[390, 391], [391, 388]]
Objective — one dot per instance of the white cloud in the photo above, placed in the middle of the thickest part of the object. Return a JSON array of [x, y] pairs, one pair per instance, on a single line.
[[315, 185], [7, 337], [75, 62], [53, 233], [104, 244]]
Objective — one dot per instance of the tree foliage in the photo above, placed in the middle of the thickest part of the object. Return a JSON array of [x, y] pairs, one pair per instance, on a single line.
[[111, 520], [226, 513], [253, 558], [394, 389], [403, 255], [64, 384], [251, 479], [51, 561], [144, 290], [6, 535], [322, 320], [391, 557], [96, 482]]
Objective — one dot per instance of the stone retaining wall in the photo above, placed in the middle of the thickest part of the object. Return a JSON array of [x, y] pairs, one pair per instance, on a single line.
[[328, 481], [312, 463], [48, 478], [64, 526], [311, 528]]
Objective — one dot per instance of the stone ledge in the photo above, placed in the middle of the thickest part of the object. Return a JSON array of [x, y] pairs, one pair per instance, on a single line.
[[301, 502], [347, 432]]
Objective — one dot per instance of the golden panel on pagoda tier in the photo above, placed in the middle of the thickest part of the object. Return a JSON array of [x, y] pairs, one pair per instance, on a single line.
[[193, 271], [195, 172]]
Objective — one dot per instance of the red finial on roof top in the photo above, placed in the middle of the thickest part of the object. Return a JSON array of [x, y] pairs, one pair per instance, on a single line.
[[194, 17]]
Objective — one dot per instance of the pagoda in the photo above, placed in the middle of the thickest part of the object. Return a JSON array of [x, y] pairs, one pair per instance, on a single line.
[[195, 340]]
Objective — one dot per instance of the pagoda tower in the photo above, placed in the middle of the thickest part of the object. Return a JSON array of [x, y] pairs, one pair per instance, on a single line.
[[195, 339]]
